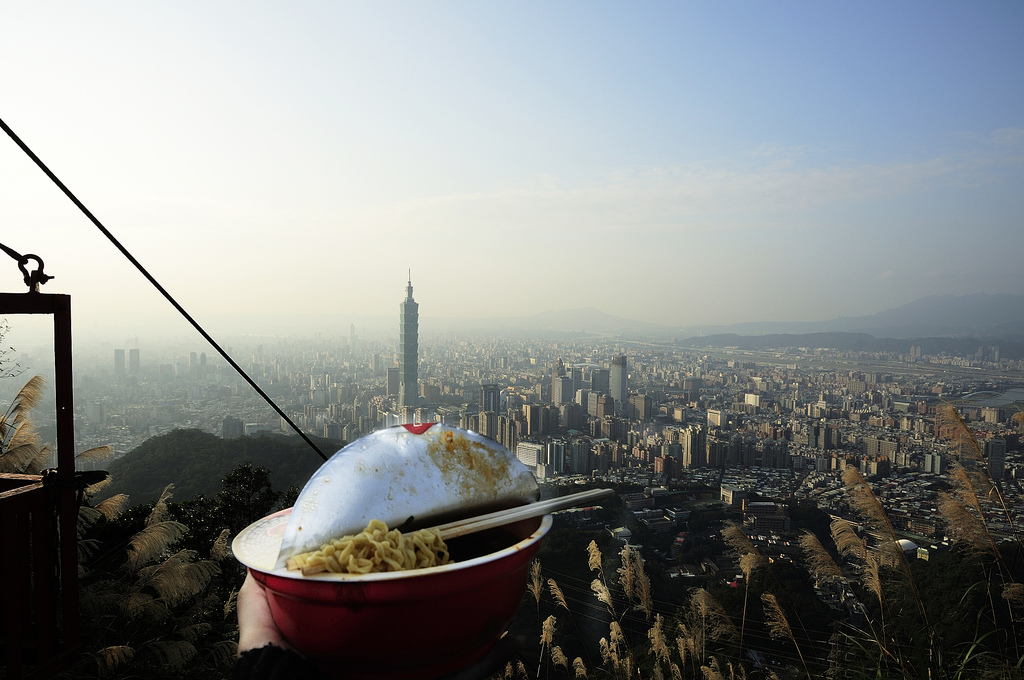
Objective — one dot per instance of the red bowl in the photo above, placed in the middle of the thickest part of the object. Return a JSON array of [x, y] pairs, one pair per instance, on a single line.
[[411, 624]]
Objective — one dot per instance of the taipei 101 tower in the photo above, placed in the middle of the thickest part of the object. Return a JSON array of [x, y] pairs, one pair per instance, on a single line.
[[408, 351]]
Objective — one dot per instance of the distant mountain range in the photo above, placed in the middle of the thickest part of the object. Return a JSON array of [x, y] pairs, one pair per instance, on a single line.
[[981, 316], [962, 346]]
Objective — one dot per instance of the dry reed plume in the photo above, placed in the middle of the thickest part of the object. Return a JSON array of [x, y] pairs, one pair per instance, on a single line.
[[558, 658], [594, 558], [154, 585], [20, 449], [849, 544], [818, 558], [635, 584], [534, 585], [750, 559]]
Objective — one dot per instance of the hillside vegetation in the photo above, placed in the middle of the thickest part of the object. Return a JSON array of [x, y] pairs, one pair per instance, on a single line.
[[197, 461]]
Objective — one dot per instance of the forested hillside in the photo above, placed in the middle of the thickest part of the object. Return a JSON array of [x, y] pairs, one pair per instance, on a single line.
[[196, 462]]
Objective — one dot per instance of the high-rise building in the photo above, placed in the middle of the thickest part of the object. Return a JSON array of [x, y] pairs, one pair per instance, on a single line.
[[618, 382], [408, 350], [490, 397], [995, 456], [133, 361], [640, 407], [556, 455], [934, 462], [561, 389], [531, 453], [695, 447], [557, 373], [488, 424], [599, 380], [580, 456], [539, 419], [118, 362]]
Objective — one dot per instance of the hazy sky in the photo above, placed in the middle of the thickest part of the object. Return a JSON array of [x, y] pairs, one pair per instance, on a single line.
[[678, 162]]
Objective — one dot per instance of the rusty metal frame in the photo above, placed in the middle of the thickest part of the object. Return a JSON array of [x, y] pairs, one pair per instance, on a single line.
[[39, 518]]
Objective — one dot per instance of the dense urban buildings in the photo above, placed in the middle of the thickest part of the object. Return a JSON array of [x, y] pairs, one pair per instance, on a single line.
[[779, 424]]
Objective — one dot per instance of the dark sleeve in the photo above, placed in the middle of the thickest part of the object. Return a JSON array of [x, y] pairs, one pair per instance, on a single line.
[[272, 663]]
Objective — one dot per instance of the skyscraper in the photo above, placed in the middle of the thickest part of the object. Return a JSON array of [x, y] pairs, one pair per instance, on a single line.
[[408, 350], [995, 456], [600, 381], [695, 446], [619, 383], [490, 397]]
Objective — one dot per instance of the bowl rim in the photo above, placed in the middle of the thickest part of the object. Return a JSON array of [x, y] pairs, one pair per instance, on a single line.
[[542, 529]]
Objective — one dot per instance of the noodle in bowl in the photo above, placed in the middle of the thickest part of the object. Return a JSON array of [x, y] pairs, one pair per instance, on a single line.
[[407, 625]]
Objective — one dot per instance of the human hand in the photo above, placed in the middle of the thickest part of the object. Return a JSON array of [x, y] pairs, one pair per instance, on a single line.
[[256, 626]]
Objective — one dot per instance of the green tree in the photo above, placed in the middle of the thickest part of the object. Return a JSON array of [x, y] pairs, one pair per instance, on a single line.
[[247, 495]]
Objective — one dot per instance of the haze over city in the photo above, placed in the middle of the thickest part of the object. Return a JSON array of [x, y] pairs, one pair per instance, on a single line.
[[673, 163]]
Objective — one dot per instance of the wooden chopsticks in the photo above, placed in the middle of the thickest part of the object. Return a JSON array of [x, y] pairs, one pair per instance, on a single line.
[[472, 525]]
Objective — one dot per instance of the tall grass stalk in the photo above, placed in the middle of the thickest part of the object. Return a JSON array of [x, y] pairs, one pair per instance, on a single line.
[[750, 559]]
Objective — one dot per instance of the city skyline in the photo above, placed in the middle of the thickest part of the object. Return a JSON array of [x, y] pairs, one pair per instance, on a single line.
[[677, 164]]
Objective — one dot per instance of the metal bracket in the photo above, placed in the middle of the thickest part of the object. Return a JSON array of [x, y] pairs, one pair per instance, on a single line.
[[33, 279]]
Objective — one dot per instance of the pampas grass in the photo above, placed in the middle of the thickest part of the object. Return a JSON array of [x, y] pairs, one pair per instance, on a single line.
[[847, 541], [547, 631], [659, 646], [231, 602], [534, 584], [172, 653], [778, 625], [705, 620], [220, 549], [113, 506], [223, 652], [603, 594], [20, 449], [109, 658], [866, 504], [160, 510], [558, 658], [964, 526], [749, 558], [635, 583], [818, 559], [976, 479], [594, 558], [1014, 592], [178, 578], [736, 538], [556, 594], [95, 454], [156, 608], [146, 545]]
